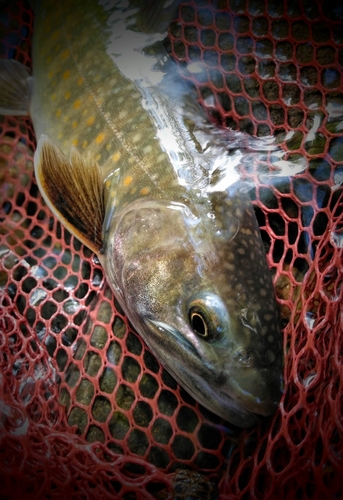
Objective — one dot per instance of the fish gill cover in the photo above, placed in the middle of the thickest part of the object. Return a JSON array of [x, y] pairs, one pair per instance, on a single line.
[[86, 410]]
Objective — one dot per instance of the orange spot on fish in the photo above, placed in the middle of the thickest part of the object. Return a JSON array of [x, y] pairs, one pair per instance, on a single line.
[[128, 180], [75, 142], [99, 138], [66, 75], [90, 120], [80, 80], [77, 104], [58, 113], [65, 54], [116, 156], [145, 191], [67, 95]]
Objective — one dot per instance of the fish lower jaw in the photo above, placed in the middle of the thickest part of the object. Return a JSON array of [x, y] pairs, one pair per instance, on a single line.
[[195, 377], [253, 405], [221, 404], [232, 411]]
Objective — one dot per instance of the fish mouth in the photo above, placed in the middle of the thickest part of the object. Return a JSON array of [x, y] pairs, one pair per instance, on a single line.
[[164, 327], [239, 410]]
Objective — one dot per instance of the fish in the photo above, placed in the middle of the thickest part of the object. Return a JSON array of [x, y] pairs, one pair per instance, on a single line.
[[131, 165]]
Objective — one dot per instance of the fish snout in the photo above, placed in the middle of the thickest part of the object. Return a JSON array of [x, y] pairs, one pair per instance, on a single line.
[[258, 390]]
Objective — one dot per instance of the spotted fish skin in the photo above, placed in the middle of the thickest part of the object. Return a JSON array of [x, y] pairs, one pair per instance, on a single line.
[[83, 98], [177, 238]]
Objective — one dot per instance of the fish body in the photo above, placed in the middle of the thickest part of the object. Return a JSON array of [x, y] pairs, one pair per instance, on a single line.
[[130, 172]]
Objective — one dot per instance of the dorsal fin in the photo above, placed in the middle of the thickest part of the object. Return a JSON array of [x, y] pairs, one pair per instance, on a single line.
[[73, 190]]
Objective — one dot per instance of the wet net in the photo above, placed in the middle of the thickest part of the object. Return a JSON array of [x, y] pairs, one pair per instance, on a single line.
[[86, 411]]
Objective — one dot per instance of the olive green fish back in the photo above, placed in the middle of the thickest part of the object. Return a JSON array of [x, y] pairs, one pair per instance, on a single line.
[[81, 99]]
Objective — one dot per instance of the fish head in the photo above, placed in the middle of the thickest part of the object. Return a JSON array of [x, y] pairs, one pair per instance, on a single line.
[[204, 306]]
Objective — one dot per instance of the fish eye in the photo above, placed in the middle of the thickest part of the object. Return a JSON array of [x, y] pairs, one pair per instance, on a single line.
[[198, 323], [207, 316]]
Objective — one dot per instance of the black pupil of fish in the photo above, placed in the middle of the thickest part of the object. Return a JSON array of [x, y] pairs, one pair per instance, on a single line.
[[198, 324]]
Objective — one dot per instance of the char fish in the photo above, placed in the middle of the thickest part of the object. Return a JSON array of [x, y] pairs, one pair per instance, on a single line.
[[128, 162]]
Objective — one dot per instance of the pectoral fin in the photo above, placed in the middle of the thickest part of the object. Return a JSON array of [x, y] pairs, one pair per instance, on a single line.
[[15, 88], [73, 190]]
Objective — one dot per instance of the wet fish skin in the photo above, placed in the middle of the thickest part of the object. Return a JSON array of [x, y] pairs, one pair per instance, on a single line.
[[183, 255], [162, 268]]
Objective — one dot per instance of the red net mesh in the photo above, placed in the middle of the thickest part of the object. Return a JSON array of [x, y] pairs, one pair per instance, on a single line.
[[85, 410]]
